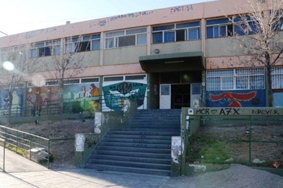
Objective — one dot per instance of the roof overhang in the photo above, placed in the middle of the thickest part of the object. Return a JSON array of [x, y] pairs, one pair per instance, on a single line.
[[184, 61]]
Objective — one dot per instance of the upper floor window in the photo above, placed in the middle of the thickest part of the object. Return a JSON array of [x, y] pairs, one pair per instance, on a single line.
[[130, 37], [176, 32], [224, 27], [47, 48], [82, 44], [245, 26], [219, 28], [235, 79], [13, 53]]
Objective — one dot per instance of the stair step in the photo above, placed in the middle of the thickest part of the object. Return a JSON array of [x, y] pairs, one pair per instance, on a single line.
[[132, 164], [134, 149], [127, 136], [131, 131], [130, 169], [138, 140], [135, 145], [130, 158], [134, 154]]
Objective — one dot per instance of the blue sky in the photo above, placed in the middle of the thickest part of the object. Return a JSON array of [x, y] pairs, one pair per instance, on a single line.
[[18, 16]]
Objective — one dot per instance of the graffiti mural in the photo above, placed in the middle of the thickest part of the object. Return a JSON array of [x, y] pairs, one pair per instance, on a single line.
[[78, 98], [116, 94], [39, 98], [17, 102], [81, 98], [241, 98]]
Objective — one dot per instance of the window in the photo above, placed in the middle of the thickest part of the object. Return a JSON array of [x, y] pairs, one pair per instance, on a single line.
[[277, 78], [88, 80], [135, 77], [13, 53], [176, 32], [235, 79], [115, 78], [218, 28], [73, 81], [82, 44], [45, 48], [245, 26], [130, 37]]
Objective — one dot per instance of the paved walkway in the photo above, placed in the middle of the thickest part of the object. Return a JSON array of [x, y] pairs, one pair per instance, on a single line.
[[23, 173]]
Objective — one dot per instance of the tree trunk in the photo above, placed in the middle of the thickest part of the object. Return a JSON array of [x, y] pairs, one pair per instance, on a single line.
[[10, 107]]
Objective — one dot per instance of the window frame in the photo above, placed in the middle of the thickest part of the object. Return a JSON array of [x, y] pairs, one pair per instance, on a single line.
[[258, 74], [114, 37], [75, 44], [219, 23], [53, 47], [174, 28]]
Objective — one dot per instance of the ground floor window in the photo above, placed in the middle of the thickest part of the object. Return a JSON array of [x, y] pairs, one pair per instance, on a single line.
[[235, 79], [277, 78]]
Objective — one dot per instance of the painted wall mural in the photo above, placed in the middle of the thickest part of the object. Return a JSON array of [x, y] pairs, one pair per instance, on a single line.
[[239, 98], [39, 98], [81, 98], [17, 102], [78, 98], [116, 94]]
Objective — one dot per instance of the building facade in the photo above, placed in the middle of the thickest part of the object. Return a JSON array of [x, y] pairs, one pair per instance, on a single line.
[[161, 59]]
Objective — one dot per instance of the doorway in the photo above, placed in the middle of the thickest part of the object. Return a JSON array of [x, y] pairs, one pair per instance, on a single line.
[[180, 96]]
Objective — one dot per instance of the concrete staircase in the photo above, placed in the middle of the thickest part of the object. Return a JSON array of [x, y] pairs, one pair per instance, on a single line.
[[144, 146]]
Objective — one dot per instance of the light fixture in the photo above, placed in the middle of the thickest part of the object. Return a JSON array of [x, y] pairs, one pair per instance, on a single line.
[[172, 62], [156, 51]]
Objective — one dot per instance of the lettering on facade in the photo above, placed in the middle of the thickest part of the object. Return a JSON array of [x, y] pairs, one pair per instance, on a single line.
[[222, 111], [181, 9], [265, 112], [118, 17], [232, 111], [32, 34]]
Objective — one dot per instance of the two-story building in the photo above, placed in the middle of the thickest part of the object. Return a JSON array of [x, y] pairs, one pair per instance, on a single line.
[[165, 58]]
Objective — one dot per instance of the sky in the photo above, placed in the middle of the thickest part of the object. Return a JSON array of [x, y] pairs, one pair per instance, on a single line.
[[17, 16]]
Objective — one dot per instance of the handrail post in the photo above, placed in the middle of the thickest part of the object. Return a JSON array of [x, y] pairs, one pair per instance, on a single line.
[[4, 146], [250, 140], [29, 147], [48, 157]]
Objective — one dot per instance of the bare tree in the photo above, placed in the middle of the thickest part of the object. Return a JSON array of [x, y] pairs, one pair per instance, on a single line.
[[258, 37], [15, 70], [65, 65]]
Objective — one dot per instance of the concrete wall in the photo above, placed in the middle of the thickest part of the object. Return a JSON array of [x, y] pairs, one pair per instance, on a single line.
[[125, 55], [176, 47]]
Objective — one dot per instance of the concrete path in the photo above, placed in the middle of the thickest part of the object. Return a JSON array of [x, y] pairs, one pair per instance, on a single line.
[[23, 173]]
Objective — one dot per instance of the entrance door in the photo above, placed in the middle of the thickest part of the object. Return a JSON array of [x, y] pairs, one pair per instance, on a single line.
[[165, 96], [195, 93]]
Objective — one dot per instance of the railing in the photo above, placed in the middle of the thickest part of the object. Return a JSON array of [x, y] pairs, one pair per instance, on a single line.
[[28, 145], [2, 159]]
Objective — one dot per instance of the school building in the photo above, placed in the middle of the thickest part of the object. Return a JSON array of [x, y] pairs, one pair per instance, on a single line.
[[162, 59]]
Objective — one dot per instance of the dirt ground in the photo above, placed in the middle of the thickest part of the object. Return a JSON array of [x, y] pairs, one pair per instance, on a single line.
[[230, 141], [62, 150]]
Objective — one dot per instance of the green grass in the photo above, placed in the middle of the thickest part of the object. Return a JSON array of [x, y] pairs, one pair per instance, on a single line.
[[215, 150]]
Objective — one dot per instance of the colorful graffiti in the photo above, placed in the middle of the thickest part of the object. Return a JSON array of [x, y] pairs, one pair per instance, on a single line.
[[81, 98], [17, 102], [116, 94], [235, 98], [41, 97], [78, 98]]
